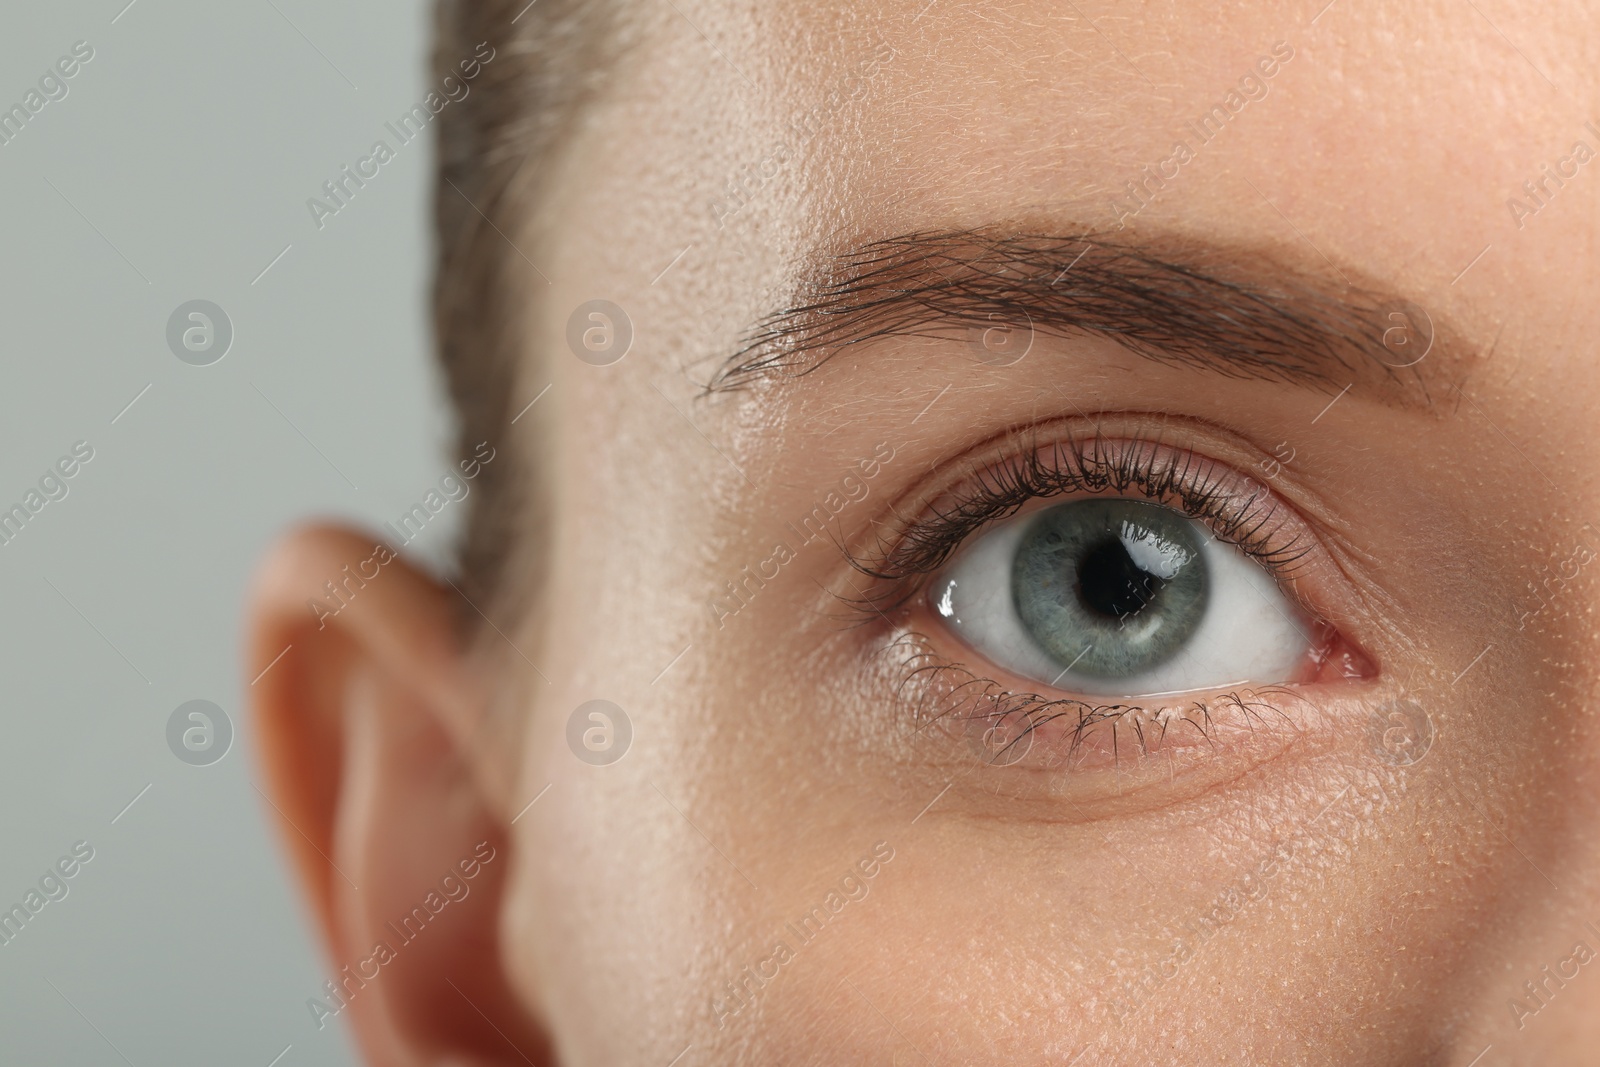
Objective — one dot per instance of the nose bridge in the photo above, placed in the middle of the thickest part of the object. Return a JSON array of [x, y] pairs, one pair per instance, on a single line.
[[1530, 799], [1561, 582], [1539, 1001]]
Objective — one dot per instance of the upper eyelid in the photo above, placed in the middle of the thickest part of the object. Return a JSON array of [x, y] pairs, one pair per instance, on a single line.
[[926, 543]]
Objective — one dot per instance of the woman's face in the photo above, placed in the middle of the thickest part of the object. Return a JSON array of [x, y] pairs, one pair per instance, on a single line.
[[1320, 786]]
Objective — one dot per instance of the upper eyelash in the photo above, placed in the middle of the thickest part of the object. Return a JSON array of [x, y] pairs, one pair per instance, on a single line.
[[1087, 465]]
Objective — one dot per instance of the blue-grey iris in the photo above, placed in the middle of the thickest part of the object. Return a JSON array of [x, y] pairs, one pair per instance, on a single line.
[[1110, 588]]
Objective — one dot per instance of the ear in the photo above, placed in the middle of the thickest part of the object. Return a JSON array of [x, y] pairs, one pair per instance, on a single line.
[[371, 736]]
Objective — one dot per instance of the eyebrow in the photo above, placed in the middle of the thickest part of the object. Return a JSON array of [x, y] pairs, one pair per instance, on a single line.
[[1243, 313]]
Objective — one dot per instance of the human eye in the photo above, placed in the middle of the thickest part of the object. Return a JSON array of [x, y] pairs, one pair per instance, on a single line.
[[1093, 584], [1121, 597]]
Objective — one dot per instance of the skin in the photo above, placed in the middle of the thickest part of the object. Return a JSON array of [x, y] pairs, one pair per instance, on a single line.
[[1363, 907]]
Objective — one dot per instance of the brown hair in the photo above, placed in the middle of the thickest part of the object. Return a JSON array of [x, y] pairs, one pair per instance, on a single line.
[[495, 147]]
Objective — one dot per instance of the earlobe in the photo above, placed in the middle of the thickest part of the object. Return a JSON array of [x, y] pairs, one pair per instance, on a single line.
[[368, 731]]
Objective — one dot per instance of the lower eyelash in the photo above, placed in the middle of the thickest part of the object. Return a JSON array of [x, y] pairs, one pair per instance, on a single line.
[[1003, 725]]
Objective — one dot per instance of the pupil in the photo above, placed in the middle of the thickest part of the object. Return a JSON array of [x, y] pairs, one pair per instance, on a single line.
[[1110, 583]]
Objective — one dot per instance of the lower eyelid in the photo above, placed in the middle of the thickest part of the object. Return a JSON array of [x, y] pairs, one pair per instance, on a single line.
[[978, 721]]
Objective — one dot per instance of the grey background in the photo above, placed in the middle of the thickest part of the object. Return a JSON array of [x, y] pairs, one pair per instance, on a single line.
[[181, 160]]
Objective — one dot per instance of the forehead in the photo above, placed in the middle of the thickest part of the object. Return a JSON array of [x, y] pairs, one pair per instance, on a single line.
[[739, 146], [1350, 129]]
